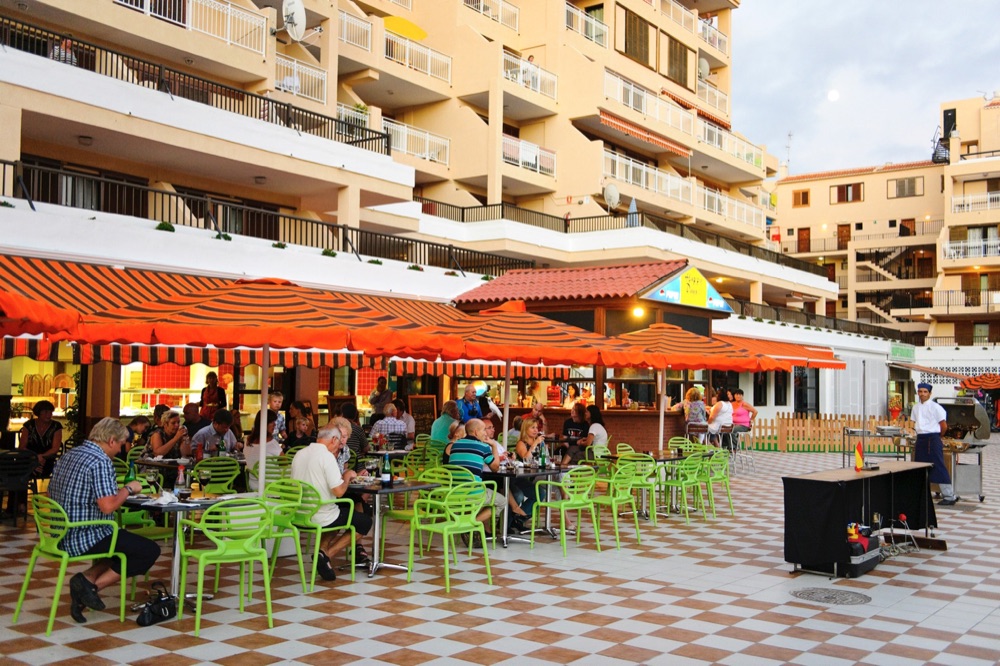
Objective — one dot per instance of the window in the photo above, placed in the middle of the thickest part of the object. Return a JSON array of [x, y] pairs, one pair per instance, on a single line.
[[847, 193], [800, 198], [806, 390], [905, 187], [636, 37], [780, 388], [892, 224], [858, 226], [760, 389], [677, 65]]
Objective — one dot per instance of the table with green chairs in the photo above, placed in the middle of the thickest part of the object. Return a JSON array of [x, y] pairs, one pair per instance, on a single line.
[[576, 487], [511, 473], [619, 494], [380, 493]]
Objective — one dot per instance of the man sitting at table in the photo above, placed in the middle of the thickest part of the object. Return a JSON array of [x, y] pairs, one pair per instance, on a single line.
[[475, 452], [317, 465], [193, 420], [217, 436], [442, 424], [84, 484], [402, 415], [392, 427]]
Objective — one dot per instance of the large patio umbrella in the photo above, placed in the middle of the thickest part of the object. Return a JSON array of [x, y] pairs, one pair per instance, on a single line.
[[988, 381], [683, 350], [20, 315]]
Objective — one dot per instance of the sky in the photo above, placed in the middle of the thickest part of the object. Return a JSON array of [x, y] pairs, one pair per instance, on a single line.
[[857, 83]]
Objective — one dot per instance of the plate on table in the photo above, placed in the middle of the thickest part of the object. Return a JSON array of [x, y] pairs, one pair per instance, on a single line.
[[141, 496]]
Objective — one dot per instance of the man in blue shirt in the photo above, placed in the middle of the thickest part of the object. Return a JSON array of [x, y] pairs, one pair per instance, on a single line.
[[475, 452], [468, 406], [85, 486]]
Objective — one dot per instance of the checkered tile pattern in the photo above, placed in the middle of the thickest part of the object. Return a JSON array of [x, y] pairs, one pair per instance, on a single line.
[[714, 592]]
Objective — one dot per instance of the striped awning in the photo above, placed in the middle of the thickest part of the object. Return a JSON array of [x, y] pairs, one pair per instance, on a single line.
[[214, 357], [803, 356], [988, 381], [474, 370], [31, 347], [684, 350], [643, 134]]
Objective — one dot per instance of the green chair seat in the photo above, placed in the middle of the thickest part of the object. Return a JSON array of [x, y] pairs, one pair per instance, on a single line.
[[577, 489], [619, 494], [224, 472], [310, 504]]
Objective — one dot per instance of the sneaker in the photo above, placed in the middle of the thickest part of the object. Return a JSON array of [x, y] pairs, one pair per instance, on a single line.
[[949, 502], [324, 568], [85, 592], [361, 559]]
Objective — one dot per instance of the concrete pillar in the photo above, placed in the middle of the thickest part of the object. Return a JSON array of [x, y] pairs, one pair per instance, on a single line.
[[494, 146], [10, 143], [104, 391], [757, 292], [821, 306], [349, 206]]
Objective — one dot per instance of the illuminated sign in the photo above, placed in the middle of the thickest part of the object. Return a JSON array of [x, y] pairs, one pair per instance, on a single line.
[[688, 288]]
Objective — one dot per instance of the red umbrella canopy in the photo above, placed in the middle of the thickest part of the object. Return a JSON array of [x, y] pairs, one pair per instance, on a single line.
[[987, 381], [20, 315], [509, 333], [683, 350], [252, 313]]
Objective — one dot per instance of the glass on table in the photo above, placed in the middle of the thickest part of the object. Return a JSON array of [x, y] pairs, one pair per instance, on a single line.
[[204, 478], [153, 479]]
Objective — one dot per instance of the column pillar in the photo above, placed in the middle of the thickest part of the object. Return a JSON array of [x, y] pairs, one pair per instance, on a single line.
[[349, 206]]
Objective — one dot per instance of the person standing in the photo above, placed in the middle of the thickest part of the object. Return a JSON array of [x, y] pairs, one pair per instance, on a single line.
[[380, 396], [930, 421], [213, 397]]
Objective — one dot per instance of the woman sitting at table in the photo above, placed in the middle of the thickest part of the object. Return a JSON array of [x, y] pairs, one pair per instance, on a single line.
[[455, 432], [694, 408], [596, 432], [253, 451], [301, 435], [170, 441], [721, 416]]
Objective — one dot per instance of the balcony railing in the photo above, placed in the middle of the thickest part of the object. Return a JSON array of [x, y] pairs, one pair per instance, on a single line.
[[713, 36], [951, 301], [967, 341], [729, 208], [217, 18], [529, 156], [530, 75], [126, 68], [355, 31], [972, 249], [582, 23], [418, 57], [714, 97], [803, 318], [300, 78], [679, 13], [500, 11], [647, 177], [645, 102], [728, 142], [974, 203], [417, 142], [405, 4], [352, 115], [616, 222], [79, 190]]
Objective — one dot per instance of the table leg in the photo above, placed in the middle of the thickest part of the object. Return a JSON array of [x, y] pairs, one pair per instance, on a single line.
[[506, 510], [175, 566], [377, 546]]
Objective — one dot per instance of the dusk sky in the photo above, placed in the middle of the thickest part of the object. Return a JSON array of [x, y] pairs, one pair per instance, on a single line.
[[857, 83]]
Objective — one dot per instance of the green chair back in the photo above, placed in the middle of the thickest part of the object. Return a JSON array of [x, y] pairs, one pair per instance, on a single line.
[[305, 522], [577, 490], [421, 440], [134, 453], [295, 449], [224, 473], [278, 467], [121, 468], [624, 448], [284, 497], [620, 493]]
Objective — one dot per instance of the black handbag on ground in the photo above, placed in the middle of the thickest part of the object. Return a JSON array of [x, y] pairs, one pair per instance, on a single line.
[[161, 606]]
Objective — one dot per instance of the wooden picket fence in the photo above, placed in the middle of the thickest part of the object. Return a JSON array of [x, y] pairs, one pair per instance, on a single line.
[[801, 433]]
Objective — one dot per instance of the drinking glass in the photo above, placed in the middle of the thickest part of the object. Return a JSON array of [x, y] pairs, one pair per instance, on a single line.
[[204, 478], [152, 479]]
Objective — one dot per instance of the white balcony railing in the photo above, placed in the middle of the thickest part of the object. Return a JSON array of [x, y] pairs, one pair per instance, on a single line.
[[217, 18], [417, 142], [418, 57], [352, 114], [679, 13], [726, 141], [529, 156], [633, 172], [645, 102], [974, 203], [405, 4], [582, 23], [300, 78], [714, 97], [530, 75], [355, 31], [500, 11], [971, 249], [734, 210], [714, 37]]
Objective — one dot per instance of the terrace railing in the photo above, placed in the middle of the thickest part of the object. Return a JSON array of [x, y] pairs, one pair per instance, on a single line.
[[974, 203], [530, 75], [300, 78], [714, 97], [529, 156], [680, 14], [645, 102], [713, 36], [500, 11], [355, 31], [792, 316], [647, 177], [582, 23], [417, 142], [417, 56], [217, 18], [728, 142]]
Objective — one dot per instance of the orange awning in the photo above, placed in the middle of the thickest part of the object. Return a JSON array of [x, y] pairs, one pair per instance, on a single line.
[[473, 370], [684, 350], [808, 356], [988, 381], [643, 134]]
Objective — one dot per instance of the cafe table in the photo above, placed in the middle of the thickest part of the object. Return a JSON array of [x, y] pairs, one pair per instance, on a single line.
[[662, 458], [506, 474]]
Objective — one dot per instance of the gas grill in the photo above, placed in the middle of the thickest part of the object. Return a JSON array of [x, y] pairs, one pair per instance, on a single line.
[[964, 442]]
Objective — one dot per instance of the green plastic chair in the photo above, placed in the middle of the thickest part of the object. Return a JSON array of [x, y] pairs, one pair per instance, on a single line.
[[683, 475], [421, 440], [461, 475], [439, 475], [134, 453], [437, 445], [235, 528], [311, 502], [295, 449], [278, 467], [646, 475], [624, 448], [715, 470], [679, 443], [53, 524], [598, 456], [284, 497], [224, 472], [619, 494], [453, 515], [577, 487], [121, 468]]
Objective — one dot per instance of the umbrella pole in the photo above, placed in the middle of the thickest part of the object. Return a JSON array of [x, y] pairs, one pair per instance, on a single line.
[[506, 407], [661, 388], [265, 368]]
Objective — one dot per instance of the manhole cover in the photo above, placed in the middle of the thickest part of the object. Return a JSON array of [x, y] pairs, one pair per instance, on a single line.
[[825, 595]]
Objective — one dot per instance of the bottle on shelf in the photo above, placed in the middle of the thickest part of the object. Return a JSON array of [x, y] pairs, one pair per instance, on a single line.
[[130, 474], [386, 473]]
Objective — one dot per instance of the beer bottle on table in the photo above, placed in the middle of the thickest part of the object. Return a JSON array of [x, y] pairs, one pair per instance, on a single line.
[[541, 456], [130, 474], [386, 473]]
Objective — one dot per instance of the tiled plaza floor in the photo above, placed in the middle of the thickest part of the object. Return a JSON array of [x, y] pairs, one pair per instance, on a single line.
[[714, 592]]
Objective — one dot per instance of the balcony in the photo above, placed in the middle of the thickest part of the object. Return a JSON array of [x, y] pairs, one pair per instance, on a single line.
[[582, 23], [528, 74], [728, 142], [408, 53], [713, 36], [301, 79], [803, 318], [500, 11], [217, 18], [529, 156], [680, 14], [352, 114], [355, 31], [731, 209], [417, 142], [648, 104], [714, 97], [947, 302], [967, 341], [633, 172], [975, 203], [971, 249]]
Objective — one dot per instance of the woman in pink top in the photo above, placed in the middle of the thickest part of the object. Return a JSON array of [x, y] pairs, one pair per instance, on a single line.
[[743, 413]]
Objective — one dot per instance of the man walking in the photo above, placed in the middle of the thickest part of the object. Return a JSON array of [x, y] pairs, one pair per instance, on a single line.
[[931, 421]]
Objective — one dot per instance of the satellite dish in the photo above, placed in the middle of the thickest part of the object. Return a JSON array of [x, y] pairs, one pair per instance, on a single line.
[[703, 69], [611, 196], [295, 18]]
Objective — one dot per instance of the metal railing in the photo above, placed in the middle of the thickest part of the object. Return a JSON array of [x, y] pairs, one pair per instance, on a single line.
[[714, 97], [728, 142], [405, 4], [529, 156], [971, 249], [123, 67], [530, 75], [582, 23], [802, 318], [713, 36], [417, 142], [974, 203], [647, 103], [65, 187], [355, 31], [732, 209], [505, 211], [216, 18], [647, 177], [408, 53], [982, 155], [967, 341], [500, 11], [955, 300], [679, 13], [352, 114], [299, 78]]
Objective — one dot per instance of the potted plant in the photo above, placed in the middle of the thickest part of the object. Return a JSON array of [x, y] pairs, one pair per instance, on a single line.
[[895, 405]]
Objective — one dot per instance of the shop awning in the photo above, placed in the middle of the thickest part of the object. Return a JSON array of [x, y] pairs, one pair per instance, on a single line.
[[479, 370], [927, 370], [803, 356], [214, 357], [643, 134], [684, 350]]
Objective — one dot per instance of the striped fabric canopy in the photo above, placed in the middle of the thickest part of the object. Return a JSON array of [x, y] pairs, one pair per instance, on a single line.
[[987, 381], [214, 356], [474, 370], [683, 350]]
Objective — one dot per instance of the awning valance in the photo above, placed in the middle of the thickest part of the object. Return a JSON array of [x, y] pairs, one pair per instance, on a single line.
[[808, 356]]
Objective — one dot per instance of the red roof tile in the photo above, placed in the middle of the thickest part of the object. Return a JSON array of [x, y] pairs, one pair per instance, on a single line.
[[572, 283], [858, 171]]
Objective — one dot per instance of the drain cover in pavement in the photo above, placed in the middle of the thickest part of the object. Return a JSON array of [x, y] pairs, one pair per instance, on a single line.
[[827, 596]]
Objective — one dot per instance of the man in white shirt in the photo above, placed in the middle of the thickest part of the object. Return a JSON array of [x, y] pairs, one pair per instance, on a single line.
[[317, 465], [405, 417], [392, 427], [930, 422]]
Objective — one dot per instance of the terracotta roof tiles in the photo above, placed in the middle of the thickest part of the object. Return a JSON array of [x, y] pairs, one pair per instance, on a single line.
[[859, 171]]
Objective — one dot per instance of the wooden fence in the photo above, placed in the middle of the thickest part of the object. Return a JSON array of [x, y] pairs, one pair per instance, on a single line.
[[819, 433]]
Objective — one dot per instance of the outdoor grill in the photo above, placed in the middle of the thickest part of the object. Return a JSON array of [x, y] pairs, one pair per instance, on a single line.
[[964, 441]]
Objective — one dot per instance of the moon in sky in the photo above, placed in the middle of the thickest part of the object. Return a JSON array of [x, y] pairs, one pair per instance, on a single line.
[[833, 95]]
